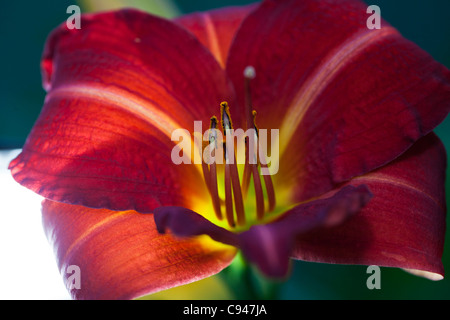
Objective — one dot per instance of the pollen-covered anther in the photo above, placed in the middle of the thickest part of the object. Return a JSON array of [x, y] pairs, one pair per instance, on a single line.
[[225, 117]]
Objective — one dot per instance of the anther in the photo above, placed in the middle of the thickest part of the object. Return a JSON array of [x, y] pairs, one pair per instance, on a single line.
[[228, 196], [226, 118], [234, 193]]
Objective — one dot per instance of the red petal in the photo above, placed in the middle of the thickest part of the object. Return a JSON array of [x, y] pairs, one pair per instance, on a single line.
[[402, 226], [118, 87], [216, 28], [346, 99], [270, 246], [121, 255]]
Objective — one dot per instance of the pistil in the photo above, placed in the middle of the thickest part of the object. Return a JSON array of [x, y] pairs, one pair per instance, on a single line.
[[249, 74]]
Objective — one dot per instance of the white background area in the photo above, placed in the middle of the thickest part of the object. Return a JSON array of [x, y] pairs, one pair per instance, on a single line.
[[28, 267]]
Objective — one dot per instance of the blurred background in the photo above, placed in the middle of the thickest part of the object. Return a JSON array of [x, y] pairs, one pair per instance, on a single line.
[[27, 266]]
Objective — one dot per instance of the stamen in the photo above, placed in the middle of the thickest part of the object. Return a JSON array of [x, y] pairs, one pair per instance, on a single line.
[[256, 179], [230, 164], [269, 188], [238, 201], [247, 172], [228, 195], [267, 178], [248, 155], [213, 172], [258, 193], [206, 173], [234, 201]]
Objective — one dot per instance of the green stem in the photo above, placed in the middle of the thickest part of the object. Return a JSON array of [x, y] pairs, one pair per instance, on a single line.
[[246, 283]]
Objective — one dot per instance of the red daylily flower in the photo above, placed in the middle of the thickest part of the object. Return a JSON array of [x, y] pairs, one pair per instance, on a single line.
[[361, 175]]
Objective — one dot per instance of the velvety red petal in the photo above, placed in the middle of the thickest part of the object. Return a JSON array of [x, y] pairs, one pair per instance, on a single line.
[[121, 255], [216, 28], [346, 99], [402, 226], [270, 246], [117, 88]]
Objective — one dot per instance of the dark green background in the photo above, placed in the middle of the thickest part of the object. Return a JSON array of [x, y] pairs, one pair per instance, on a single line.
[[24, 26]]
